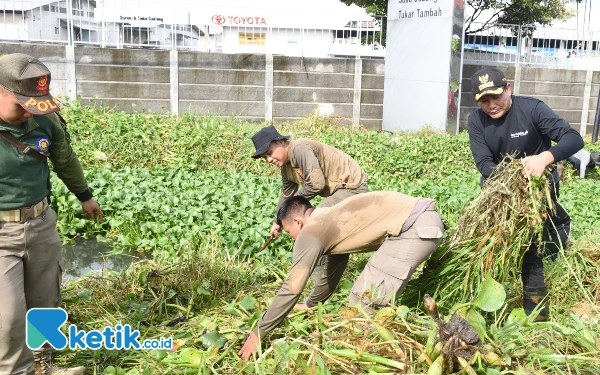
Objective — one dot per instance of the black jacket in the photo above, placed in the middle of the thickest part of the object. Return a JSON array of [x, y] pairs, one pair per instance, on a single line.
[[528, 128]]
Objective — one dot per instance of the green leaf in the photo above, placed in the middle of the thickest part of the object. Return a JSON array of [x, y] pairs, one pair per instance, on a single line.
[[516, 315], [191, 356], [492, 371], [214, 339], [346, 285], [230, 309], [384, 314], [491, 296], [85, 294], [248, 303], [253, 318], [143, 277], [402, 311]]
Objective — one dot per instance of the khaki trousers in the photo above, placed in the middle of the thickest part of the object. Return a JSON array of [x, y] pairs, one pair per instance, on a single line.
[[390, 267], [31, 267]]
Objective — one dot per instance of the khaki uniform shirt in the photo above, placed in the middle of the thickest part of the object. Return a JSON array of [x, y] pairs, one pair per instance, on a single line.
[[358, 224], [320, 169]]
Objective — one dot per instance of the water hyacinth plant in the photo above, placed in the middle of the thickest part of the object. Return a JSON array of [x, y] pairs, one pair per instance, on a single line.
[[491, 236], [184, 191]]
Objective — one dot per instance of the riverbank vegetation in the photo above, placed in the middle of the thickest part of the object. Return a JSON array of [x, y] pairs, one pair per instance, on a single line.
[[185, 193]]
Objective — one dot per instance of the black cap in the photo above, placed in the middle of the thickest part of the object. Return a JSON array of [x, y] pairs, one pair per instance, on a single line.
[[262, 140], [488, 81]]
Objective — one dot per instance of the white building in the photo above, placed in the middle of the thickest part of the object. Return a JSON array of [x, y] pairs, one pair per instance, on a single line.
[[47, 20], [316, 28]]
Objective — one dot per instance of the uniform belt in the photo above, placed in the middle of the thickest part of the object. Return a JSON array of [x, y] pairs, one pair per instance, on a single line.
[[21, 215]]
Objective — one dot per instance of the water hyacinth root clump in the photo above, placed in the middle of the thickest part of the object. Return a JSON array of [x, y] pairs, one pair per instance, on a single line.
[[184, 191], [491, 236]]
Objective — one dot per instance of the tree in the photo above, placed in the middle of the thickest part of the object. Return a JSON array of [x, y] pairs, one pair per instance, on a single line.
[[514, 12], [373, 7], [487, 13]]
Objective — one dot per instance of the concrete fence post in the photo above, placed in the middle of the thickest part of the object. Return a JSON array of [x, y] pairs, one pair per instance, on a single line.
[[517, 82], [587, 94], [174, 80], [269, 88], [358, 65], [70, 72]]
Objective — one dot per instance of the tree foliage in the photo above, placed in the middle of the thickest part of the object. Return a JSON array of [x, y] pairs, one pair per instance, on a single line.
[[486, 13], [373, 7]]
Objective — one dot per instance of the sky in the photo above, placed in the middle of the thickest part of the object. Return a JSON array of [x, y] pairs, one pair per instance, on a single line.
[[591, 15], [575, 22]]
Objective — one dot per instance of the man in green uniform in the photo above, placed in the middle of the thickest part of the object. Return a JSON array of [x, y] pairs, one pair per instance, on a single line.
[[321, 170], [30, 249], [400, 230]]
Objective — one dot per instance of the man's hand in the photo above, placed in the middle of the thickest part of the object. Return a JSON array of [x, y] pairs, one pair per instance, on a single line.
[[275, 230], [301, 306], [536, 165], [92, 210], [250, 347], [304, 306]]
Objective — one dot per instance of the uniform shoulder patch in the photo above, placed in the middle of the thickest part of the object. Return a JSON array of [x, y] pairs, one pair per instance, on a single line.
[[43, 145]]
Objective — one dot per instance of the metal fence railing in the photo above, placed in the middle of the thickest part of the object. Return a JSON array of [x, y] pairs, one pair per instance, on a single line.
[[532, 45], [157, 24], [166, 25]]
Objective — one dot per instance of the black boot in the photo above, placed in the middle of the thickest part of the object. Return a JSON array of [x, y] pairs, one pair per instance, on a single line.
[[532, 297]]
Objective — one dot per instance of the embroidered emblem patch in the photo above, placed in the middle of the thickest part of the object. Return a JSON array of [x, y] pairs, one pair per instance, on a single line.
[[43, 144], [42, 84]]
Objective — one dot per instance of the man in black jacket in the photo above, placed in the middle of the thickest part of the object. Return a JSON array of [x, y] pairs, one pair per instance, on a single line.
[[508, 124]]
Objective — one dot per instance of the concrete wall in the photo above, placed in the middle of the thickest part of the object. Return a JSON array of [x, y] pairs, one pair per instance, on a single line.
[[248, 86], [121, 78], [330, 86], [572, 94], [274, 88]]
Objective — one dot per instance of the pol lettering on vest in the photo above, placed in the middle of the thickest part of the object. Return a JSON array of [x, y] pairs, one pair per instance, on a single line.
[[519, 134], [42, 106]]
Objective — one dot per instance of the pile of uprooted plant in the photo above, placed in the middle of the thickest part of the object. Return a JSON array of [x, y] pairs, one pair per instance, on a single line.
[[491, 236], [206, 292]]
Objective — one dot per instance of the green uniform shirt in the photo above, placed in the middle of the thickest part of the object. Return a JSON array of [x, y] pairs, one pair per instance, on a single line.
[[24, 180], [357, 224]]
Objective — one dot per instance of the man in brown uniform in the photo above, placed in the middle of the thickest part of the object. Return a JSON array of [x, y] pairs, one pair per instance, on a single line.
[[400, 230], [320, 169]]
